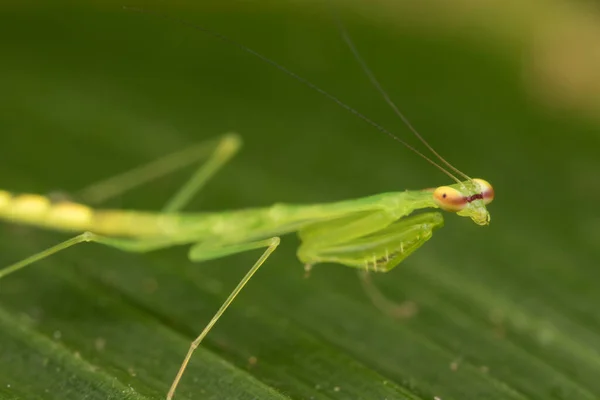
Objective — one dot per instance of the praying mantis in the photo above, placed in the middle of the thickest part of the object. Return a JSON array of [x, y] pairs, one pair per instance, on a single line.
[[374, 233]]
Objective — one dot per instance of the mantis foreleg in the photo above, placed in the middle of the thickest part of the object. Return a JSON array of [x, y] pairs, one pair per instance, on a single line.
[[375, 241]]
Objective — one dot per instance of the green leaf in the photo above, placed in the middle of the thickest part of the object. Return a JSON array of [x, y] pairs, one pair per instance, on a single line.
[[503, 312]]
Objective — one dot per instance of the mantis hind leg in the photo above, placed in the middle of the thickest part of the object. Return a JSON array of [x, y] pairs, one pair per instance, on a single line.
[[205, 251], [129, 245], [217, 153]]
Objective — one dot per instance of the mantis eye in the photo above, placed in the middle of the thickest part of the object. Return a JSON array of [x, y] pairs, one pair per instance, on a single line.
[[449, 199], [487, 191]]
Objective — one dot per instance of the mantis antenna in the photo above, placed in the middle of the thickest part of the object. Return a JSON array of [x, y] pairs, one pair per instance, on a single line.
[[386, 97], [323, 92]]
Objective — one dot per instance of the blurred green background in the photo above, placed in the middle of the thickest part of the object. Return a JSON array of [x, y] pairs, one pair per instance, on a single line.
[[509, 311]]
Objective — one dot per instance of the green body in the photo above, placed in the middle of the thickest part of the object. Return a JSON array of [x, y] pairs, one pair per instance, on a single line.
[[371, 232]]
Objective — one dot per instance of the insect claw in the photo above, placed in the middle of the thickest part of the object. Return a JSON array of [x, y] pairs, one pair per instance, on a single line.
[[307, 269]]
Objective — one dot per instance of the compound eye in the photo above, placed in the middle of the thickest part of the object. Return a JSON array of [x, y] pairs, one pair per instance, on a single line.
[[487, 191], [449, 199]]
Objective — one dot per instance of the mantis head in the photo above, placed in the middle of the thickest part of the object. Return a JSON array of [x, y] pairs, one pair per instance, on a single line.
[[467, 199]]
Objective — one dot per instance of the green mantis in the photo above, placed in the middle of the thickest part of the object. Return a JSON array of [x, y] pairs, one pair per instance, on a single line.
[[373, 233]]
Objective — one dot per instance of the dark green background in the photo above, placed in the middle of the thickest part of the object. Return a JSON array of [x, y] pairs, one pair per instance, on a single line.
[[509, 311]]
